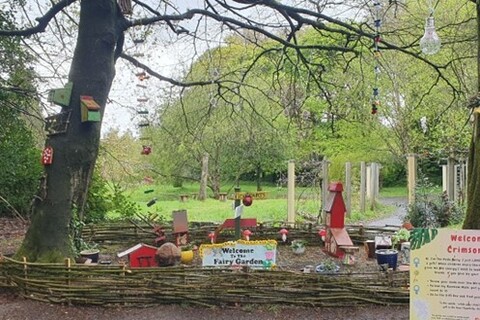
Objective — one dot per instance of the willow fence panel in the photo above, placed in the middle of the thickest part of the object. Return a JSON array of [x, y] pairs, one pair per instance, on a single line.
[[122, 233], [122, 286]]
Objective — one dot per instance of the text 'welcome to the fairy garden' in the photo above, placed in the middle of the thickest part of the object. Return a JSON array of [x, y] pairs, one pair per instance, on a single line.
[[254, 254]]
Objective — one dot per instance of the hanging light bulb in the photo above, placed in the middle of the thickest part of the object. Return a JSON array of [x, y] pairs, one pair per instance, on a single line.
[[430, 42]]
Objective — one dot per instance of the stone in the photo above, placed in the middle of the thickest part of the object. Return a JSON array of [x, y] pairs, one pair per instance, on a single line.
[[168, 255]]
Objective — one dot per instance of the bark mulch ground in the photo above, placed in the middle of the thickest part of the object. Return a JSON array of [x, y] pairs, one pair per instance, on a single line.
[[12, 307]]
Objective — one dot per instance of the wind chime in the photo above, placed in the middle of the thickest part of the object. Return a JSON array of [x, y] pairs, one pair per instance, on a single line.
[[142, 97], [376, 55]]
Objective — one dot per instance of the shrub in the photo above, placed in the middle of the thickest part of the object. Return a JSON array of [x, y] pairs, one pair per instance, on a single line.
[[433, 211]]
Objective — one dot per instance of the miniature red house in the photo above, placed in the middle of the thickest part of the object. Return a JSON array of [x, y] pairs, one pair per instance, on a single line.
[[140, 256], [337, 236]]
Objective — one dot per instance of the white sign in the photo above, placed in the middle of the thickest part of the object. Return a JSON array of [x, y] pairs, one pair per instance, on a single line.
[[255, 254], [445, 274]]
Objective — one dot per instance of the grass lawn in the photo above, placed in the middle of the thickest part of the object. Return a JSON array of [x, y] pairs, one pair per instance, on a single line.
[[274, 208]]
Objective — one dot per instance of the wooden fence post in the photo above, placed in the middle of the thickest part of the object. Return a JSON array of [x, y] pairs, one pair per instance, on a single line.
[[363, 184], [348, 188], [25, 273], [412, 177], [291, 193], [68, 265], [324, 183]]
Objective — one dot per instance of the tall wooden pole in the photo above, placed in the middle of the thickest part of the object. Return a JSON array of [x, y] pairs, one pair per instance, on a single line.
[[363, 185], [412, 177], [348, 187], [291, 193]]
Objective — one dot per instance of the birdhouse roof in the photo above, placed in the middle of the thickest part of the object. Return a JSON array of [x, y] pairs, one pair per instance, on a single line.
[[341, 237], [134, 248]]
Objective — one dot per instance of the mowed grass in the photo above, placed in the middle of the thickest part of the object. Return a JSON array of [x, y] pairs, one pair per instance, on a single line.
[[274, 208]]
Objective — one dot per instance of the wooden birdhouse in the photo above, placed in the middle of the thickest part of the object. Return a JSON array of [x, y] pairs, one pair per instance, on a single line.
[[61, 96], [90, 109], [47, 156], [180, 227], [140, 256], [335, 207], [337, 238]]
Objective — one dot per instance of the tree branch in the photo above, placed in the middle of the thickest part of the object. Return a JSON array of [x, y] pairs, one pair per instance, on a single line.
[[42, 21]]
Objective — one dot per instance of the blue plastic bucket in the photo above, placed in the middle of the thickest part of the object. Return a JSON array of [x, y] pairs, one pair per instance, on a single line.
[[387, 256]]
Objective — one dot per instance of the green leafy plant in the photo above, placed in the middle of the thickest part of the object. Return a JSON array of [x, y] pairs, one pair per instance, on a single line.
[[121, 204], [401, 235], [430, 210], [298, 243], [78, 242]]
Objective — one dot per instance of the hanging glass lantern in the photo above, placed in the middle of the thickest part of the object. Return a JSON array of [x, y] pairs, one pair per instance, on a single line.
[[430, 42]]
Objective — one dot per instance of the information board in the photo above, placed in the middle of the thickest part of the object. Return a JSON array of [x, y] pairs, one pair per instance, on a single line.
[[445, 274]]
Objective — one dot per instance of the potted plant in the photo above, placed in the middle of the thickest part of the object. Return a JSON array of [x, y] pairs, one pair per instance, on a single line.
[[298, 246], [402, 235], [186, 254], [91, 253]]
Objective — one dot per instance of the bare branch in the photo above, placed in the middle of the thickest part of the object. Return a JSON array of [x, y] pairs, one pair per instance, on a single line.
[[42, 21]]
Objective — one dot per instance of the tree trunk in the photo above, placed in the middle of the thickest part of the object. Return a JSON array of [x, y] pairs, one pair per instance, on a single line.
[[259, 175], [202, 193], [75, 152], [472, 218]]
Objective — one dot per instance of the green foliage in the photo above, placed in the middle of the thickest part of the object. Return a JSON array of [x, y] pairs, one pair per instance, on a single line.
[[401, 235], [121, 205], [98, 201], [106, 200], [433, 211], [20, 166]]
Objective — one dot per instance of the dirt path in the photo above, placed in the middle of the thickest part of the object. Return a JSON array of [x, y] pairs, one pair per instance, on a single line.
[[12, 308], [396, 219]]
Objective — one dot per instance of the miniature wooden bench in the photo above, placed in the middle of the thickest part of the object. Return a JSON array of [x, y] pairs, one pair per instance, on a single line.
[[222, 196]]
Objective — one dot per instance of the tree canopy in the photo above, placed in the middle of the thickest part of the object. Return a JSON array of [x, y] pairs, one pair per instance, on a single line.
[[312, 60]]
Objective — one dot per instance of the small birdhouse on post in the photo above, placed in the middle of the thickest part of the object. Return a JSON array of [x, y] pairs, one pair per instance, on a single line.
[[61, 96], [180, 227], [90, 109], [336, 236]]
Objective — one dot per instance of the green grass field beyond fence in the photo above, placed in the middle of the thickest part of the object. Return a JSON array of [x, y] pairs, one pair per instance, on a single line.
[[274, 208]]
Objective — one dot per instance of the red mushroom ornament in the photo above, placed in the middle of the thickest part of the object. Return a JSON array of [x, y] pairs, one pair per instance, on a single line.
[[247, 233], [284, 233], [322, 233], [211, 235]]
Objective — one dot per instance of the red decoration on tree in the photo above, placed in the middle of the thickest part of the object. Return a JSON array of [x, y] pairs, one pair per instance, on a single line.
[[247, 200], [47, 156]]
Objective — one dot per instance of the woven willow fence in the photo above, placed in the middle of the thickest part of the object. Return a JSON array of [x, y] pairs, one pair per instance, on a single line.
[[121, 233], [120, 286]]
